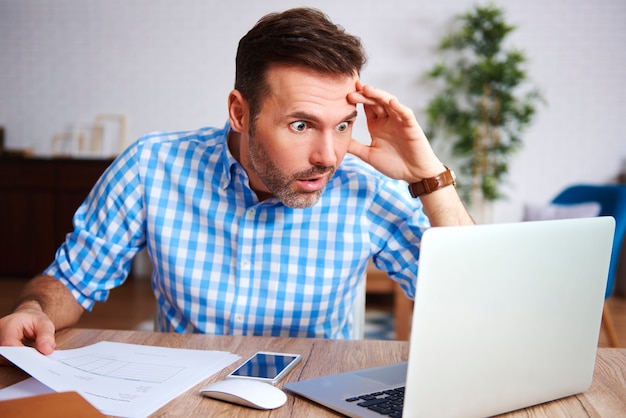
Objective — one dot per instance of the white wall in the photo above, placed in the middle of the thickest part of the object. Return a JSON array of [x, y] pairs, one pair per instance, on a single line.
[[169, 66]]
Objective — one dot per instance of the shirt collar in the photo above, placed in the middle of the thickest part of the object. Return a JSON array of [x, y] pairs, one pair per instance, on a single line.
[[229, 160]]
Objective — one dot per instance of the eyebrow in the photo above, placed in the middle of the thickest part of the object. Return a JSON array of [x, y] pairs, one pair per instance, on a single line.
[[312, 118]]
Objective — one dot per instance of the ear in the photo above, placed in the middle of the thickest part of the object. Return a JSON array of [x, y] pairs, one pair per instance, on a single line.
[[238, 112]]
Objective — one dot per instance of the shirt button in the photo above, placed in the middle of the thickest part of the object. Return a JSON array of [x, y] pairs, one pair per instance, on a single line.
[[239, 318], [246, 263], [251, 212]]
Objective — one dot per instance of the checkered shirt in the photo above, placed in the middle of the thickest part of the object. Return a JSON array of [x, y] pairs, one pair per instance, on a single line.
[[225, 263]]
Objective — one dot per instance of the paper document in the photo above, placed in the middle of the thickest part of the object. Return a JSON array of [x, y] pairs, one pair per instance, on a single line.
[[121, 379], [23, 389]]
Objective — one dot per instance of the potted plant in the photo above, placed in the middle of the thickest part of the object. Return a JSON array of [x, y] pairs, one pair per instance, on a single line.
[[484, 103]]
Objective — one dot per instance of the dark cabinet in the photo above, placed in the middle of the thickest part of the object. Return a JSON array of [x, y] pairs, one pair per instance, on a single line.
[[38, 198]]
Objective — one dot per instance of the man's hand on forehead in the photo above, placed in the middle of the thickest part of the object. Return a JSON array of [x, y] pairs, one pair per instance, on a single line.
[[399, 148]]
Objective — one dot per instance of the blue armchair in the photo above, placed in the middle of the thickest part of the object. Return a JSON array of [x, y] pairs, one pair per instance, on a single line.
[[612, 199]]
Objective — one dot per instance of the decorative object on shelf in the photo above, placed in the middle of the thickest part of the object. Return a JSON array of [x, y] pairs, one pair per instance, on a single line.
[[105, 137], [478, 107], [114, 130]]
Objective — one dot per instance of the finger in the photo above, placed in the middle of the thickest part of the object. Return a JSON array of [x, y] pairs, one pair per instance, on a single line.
[[375, 111], [385, 102], [369, 95], [45, 342], [406, 115], [17, 328], [379, 104], [10, 335], [46, 346], [358, 149], [372, 108], [356, 97], [378, 95], [11, 340], [404, 111]]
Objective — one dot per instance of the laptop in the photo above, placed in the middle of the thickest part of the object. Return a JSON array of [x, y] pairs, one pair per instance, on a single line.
[[506, 316]]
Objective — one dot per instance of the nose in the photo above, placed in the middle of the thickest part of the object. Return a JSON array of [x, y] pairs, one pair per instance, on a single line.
[[323, 150]]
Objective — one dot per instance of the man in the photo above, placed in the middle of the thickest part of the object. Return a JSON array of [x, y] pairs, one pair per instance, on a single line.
[[264, 227]]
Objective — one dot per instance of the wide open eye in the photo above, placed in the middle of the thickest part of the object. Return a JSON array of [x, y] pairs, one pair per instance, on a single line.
[[343, 126], [299, 126]]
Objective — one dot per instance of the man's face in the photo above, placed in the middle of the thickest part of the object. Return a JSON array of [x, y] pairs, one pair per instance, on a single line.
[[301, 134]]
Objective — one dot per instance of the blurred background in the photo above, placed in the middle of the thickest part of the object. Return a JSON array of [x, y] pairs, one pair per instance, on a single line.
[[148, 65], [81, 79]]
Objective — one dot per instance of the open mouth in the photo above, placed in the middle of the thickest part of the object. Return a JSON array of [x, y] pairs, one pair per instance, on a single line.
[[315, 179], [312, 184]]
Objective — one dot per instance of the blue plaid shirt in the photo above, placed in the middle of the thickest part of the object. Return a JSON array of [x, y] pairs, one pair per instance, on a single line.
[[225, 263]]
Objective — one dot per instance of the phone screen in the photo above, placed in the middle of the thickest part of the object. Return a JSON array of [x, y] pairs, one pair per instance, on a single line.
[[267, 366]]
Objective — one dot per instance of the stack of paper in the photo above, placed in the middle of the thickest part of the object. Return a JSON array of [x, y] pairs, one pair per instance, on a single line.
[[119, 379]]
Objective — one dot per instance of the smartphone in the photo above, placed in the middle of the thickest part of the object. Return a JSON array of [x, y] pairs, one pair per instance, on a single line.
[[266, 366]]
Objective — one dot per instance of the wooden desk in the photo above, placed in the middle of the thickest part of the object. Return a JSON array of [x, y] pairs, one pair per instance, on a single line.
[[605, 398]]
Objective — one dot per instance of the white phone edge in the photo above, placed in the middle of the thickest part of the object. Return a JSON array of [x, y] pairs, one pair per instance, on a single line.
[[271, 380]]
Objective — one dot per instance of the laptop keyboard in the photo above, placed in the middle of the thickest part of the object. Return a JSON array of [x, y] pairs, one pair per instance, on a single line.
[[388, 402]]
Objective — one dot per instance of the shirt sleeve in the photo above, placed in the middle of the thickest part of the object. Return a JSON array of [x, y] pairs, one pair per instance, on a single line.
[[398, 222], [108, 231]]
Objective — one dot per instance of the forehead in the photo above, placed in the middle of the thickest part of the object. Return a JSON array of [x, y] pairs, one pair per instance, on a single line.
[[292, 88]]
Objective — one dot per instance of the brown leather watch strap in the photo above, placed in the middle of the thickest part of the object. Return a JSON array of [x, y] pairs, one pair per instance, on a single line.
[[432, 184]]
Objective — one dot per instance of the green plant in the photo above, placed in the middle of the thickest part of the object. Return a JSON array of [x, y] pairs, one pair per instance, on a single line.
[[484, 101]]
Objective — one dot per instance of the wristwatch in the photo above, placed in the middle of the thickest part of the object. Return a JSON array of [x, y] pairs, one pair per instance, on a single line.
[[431, 184]]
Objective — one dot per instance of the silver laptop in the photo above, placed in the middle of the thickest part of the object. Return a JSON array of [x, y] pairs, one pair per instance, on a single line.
[[506, 316]]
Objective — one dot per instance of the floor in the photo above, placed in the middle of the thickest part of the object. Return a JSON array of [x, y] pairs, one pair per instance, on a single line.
[[132, 306]]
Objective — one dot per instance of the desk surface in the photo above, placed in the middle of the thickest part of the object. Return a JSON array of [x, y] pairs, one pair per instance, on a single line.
[[605, 398]]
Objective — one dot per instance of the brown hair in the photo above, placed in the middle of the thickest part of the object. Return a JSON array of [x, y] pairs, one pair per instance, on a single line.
[[301, 36]]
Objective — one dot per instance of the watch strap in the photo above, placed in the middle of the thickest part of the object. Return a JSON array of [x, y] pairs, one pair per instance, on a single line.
[[432, 184]]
